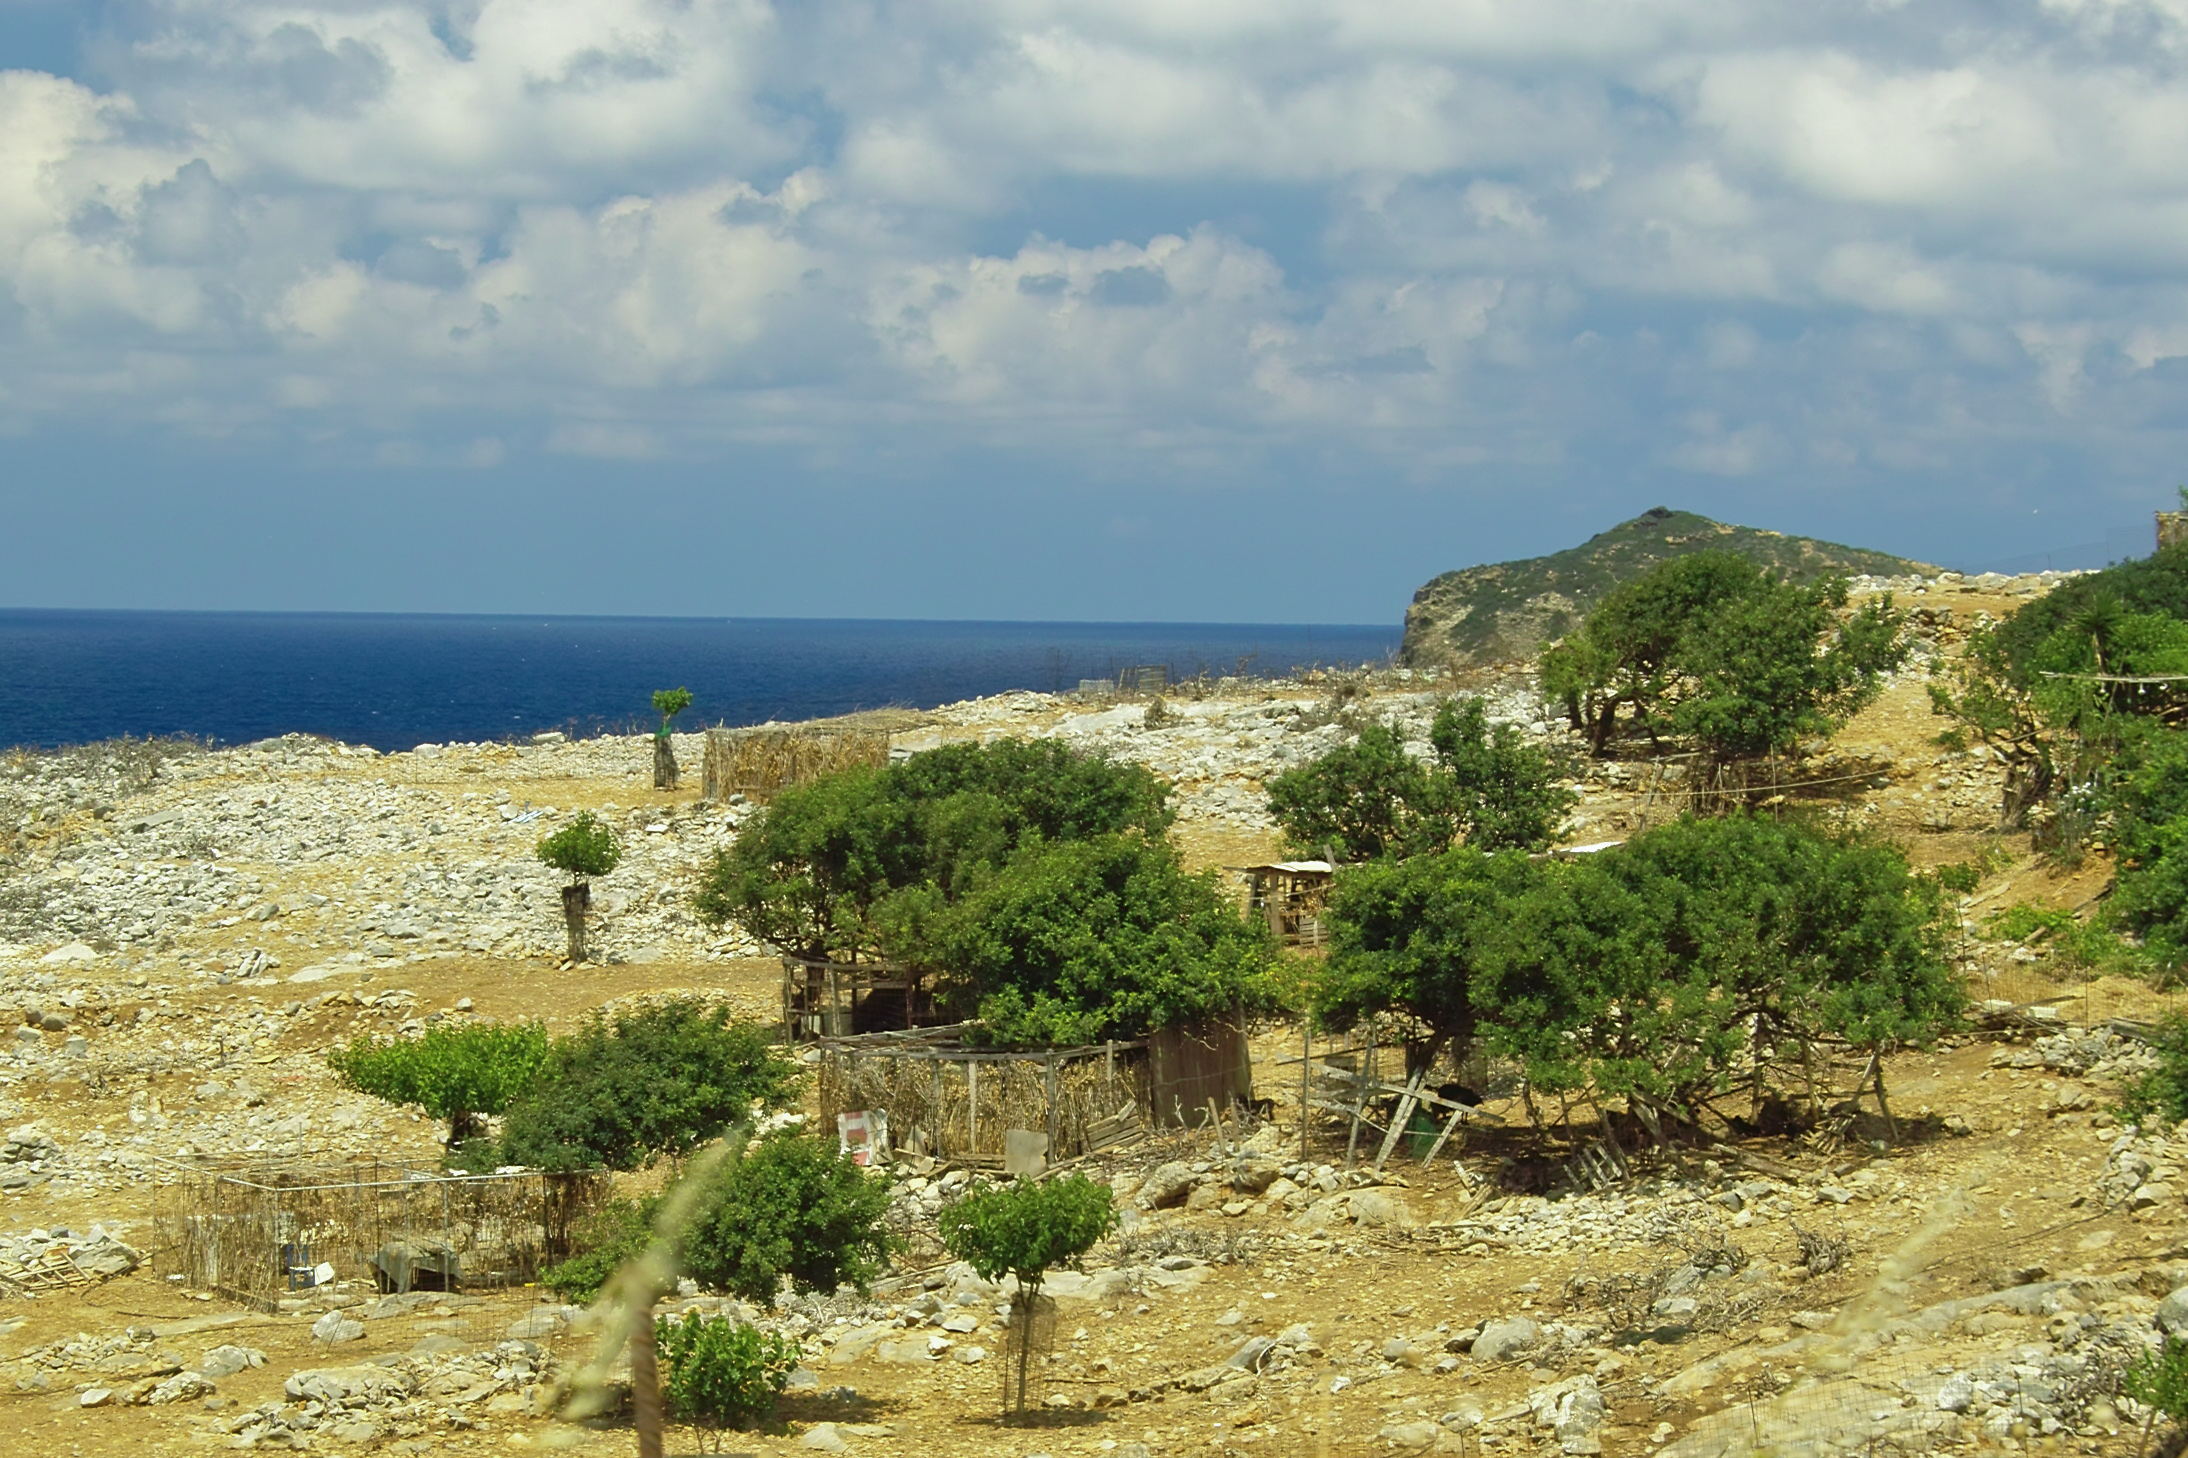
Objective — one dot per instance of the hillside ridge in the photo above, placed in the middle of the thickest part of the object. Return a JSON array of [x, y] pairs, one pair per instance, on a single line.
[[1504, 612]]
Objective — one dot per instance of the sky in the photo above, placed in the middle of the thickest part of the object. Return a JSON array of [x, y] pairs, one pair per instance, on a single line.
[[1237, 310]]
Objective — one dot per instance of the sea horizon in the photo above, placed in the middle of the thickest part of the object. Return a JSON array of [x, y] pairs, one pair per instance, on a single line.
[[393, 679]]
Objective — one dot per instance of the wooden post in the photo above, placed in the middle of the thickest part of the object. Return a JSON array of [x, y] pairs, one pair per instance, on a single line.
[[935, 1112], [1363, 1076], [645, 1385], [972, 1114], [1449, 1128], [1876, 1073], [1048, 1087], [1306, 1080], [1398, 1121]]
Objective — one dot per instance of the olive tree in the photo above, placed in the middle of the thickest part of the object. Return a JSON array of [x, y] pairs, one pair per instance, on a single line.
[[584, 848], [668, 703]]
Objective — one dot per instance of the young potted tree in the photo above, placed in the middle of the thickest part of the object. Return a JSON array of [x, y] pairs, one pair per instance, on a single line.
[[668, 703], [584, 848]]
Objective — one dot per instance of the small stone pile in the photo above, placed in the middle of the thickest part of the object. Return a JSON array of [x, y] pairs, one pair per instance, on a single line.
[[2082, 1053], [44, 1257], [400, 1396]]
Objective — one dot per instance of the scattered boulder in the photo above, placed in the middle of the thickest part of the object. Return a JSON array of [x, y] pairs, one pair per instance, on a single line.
[[1505, 1338], [335, 1327], [1169, 1185]]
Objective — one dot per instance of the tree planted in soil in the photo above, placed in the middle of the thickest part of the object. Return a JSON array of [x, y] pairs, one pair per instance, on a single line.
[[668, 703], [1025, 1229], [580, 850]]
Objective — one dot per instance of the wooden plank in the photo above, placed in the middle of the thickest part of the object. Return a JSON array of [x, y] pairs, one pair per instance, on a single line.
[[1450, 1124], [1398, 1121]]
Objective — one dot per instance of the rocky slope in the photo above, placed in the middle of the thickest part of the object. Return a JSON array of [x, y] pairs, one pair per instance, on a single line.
[[1505, 612]]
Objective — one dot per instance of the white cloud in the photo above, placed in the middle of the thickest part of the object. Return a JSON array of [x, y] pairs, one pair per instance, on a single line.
[[1294, 229]]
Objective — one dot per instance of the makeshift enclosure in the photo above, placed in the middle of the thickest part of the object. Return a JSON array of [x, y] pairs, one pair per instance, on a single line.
[[758, 762], [1290, 895], [825, 999], [954, 1099], [256, 1231]]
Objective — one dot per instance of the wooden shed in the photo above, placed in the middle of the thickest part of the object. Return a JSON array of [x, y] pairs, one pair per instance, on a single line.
[[1290, 896], [826, 999]]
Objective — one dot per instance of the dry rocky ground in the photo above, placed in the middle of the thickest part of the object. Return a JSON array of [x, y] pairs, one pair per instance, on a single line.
[[184, 933]]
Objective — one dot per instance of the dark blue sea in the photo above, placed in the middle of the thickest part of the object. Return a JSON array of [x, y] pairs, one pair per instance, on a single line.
[[397, 680]]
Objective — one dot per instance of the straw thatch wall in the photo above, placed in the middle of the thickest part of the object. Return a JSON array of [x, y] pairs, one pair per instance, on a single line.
[[758, 762], [242, 1227], [934, 1093]]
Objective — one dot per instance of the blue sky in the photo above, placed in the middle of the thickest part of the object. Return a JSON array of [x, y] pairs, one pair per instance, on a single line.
[[1125, 310]]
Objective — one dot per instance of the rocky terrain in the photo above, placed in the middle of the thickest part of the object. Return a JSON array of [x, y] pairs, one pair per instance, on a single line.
[[1506, 612], [187, 932]]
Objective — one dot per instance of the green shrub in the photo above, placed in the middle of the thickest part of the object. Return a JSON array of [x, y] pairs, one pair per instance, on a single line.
[[2161, 1094], [1481, 786], [790, 1207], [718, 1373], [584, 847], [2159, 1380], [663, 1080], [460, 1073], [604, 1240], [2073, 944], [1084, 940], [1027, 1229], [810, 873]]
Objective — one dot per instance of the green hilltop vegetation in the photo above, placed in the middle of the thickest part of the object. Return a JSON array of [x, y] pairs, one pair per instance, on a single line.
[[1505, 612]]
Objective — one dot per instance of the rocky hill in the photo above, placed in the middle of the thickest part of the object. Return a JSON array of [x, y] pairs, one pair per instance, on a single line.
[[1504, 612]]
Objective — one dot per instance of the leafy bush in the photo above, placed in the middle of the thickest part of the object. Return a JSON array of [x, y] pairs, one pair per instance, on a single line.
[[719, 1373], [663, 1080], [2161, 1093], [668, 703], [2159, 1380], [813, 871], [584, 847], [458, 1073], [1657, 969], [1482, 786], [1713, 646], [790, 1207], [1083, 940], [1026, 1228], [604, 1240]]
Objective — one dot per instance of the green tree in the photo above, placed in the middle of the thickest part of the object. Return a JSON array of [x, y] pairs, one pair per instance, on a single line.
[[603, 1241], [812, 873], [1077, 941], [791, 1207], [1481, 785], [1713, 647], [461, 1073], [582, 849], [1625, 654], [1657, 970], [668, 703], [1026, 1229], [718, 1373], [660, 1081], [1781, 663]]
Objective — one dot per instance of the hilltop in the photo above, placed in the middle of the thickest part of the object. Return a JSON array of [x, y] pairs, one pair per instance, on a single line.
[[1504, 612]]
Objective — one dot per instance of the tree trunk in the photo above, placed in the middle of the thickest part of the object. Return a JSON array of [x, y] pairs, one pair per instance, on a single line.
[[645, 1387], [664, 762], [577, 899]]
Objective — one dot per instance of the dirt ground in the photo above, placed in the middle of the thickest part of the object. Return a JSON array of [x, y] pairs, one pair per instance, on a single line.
[[1993, 1182]]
